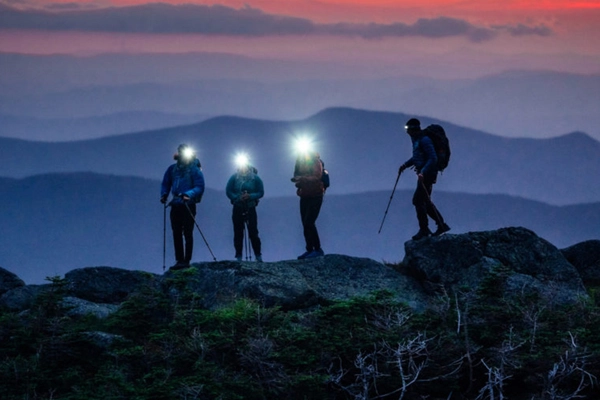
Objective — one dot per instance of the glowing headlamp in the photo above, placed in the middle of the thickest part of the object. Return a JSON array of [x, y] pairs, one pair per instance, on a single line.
[[303, 145], [187, 153], [241, 160]]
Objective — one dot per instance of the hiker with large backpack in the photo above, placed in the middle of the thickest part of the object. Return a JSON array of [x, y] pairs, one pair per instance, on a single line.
[[185, 181], [244, 189], [310, 181], [431, 153]]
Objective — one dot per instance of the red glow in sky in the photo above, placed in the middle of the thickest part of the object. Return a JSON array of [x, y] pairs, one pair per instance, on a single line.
[[561, 34]]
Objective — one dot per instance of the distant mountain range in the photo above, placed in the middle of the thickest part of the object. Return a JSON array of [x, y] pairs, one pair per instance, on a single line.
[[66, 129], [54, 223], [537, 104], [361, 149]]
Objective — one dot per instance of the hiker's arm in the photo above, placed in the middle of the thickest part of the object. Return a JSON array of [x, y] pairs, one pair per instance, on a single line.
[[198, 182], [230, 189], [259, 190], [167, 181], [409, 163]]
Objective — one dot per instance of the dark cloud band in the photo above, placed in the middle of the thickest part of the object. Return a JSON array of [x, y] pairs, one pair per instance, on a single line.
[[247, 21]]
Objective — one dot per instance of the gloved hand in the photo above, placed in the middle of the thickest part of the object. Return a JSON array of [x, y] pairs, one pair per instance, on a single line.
[[163, 199], [401, 169], [420, 177]]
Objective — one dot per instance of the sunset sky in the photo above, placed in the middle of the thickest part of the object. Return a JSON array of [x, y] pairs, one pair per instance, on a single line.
[[470, 36]]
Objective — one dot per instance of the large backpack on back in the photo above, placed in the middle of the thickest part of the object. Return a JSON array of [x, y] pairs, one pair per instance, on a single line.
[[441, 144]]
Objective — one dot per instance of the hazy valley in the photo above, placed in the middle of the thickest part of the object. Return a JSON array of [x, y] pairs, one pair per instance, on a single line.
[[51, 224]]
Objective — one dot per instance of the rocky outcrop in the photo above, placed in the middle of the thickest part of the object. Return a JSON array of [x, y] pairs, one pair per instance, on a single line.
[[22, 297], [531, 263], [107, 284], [80, 308], [295, 284], [585, 257], [9, 281], [527, 263]]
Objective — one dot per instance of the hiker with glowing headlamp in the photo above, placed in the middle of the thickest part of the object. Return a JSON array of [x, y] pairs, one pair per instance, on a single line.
[[185, 181], [308, 178], [244, 189], [426, 163]]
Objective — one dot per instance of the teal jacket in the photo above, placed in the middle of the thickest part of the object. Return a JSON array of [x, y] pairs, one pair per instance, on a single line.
[[249, 182]]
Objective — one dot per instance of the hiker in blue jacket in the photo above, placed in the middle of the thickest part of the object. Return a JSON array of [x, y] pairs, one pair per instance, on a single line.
[[185, 181], [424, 160], [244, 189]]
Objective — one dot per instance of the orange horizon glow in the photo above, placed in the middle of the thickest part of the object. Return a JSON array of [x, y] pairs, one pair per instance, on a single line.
[[384, 11], [266, 5]]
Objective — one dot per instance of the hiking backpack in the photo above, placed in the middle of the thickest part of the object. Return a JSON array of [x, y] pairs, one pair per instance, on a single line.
[[324, 175], [441, 144]]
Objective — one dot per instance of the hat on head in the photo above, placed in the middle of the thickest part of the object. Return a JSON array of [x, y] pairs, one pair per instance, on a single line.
[[413, 124]]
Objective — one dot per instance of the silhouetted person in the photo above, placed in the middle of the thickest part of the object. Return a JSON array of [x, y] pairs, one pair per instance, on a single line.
[[185, 181], [424, 160], [244, 189], [307, 177]]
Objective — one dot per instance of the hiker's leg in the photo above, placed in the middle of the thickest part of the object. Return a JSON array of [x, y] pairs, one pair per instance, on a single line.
[[188, 231], [420, 201], [309, 210], [253, 231], [311, 232], [177, 228], [238, 230], [432, 210]]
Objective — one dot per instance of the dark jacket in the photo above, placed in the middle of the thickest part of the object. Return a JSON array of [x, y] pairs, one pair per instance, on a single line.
[[249, 182], [181, 178], [307, 176], [424, 157]]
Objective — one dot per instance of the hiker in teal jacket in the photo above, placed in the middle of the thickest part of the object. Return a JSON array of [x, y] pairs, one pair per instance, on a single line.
[[424, 160], [244, 189], [185, 181]]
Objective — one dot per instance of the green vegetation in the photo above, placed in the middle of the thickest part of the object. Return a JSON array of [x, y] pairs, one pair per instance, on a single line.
[[158, 345]]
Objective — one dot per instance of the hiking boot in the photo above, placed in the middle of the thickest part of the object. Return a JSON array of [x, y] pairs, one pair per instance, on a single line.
[[238, 258], [443, 228], [304, 255], [179, 265], [259, 259], [315, 253], [423, 233]]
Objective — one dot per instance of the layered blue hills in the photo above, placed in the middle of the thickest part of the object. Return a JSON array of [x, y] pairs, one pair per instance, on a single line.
[[361, 149]]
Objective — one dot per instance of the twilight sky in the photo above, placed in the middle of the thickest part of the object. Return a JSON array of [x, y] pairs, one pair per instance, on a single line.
[[468, 37]]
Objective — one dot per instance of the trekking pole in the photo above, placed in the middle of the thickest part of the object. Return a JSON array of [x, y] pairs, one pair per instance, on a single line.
[[247, 249], [389, 202], [164, 236], [200, 230], [246, 230]]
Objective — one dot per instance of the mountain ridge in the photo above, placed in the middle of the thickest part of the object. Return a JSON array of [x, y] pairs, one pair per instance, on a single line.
[[362, 149], [532, 104]]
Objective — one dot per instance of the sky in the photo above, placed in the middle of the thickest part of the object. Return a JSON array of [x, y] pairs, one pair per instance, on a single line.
[[470, 35]]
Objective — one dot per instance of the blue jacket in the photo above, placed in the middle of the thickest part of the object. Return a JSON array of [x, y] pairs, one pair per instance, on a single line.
[[249, 182], [424, 157], [184, 179]]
